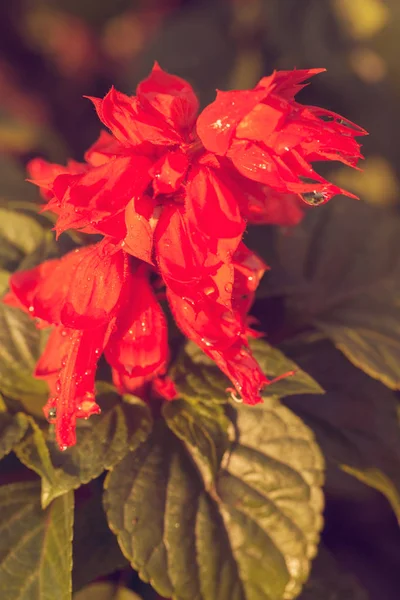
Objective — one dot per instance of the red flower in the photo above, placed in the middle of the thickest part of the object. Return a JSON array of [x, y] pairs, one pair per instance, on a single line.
[[97, 300], [174, 191], [273, 140]]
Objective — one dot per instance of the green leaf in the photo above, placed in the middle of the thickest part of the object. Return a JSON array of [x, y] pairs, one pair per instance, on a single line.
[[12, 430], [204, 431], [198, 378], [329, 582], [106, 591], [20, 348], [340, 272], [35, 545], [275, 364], [19, 235], [356, 423], [102, 441], [250, 536], [96, 552]]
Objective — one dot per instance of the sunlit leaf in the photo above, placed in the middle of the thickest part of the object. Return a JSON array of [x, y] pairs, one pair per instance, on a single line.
[[250, 536], [35, 545], [102, 441]]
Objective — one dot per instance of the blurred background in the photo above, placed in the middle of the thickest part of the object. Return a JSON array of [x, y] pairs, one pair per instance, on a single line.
[[52, 52]]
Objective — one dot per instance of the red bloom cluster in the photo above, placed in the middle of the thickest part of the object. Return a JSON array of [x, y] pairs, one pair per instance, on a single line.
[[171, 194]]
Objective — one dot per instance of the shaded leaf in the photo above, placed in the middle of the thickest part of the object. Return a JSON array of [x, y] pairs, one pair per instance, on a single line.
[[356, 422], [102, 441], [35, 545], [106, 591], [20, 348], [12, 430], [96, 551], [275, 364], [340, 271], [250, 536], [329, 582]]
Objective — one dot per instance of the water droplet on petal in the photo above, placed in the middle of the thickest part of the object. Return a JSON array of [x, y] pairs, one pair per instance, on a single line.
[[228, 288], [237, 399], [31, 309]]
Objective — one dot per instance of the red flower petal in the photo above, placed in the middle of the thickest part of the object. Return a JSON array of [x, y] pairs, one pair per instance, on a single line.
[[221, 338], [212, 207], [92, 197], [138, 345], [169, 172], [139, 232], [50, 362], [289, 83], [104, 148], [43, 174], [80, 290], [216, 125], [130, 124], [169, 96], [259, 164], [75, 385]]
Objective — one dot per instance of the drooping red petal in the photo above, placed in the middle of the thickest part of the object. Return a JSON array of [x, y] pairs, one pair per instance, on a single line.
[[24, 285], [249, 270], [169, 96], [57, 347], [138, 345], [132, 125], [75, 385], [221, 337], [79, 290]]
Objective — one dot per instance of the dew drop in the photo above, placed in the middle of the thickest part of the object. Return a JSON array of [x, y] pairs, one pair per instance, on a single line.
[[228, 288], [31, 309], [207, 342], [235, 398], [209, 290], [52, 412], [314, 198]]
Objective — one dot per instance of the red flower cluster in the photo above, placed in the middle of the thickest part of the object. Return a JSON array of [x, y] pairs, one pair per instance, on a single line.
[[171, 195]]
